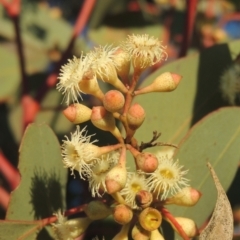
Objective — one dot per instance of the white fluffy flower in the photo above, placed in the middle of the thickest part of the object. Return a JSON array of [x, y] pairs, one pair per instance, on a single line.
[[144, 51], [99, 171], [135, 183], [101, 60], [230, 83], [79, 152], [69, 229], [167, 178], [61, 230], [70, 76]]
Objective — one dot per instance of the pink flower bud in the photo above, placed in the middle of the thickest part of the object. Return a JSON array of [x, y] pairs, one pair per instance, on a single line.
[[166, 82], [77, 113], [135, 116], [105, 121], [188, 196], [150, 219], [113, 101], [147, 162], [143, 198], [122, 214], [116, 178]]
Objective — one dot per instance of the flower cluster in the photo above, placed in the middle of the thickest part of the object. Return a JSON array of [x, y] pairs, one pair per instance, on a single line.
[[138, 198]]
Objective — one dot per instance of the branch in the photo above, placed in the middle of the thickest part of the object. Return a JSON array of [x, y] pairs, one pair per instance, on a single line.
[[4, 199], [188, 27], [152, 143]]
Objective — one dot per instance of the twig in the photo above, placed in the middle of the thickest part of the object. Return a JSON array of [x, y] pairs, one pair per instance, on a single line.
[[152, 143]]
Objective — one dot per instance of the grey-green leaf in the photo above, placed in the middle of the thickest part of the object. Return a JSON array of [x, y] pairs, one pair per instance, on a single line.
[[214, 139], [43, 179], [18, 230]]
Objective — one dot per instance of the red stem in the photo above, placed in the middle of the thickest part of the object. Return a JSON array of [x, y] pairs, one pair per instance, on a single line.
[[4, 199], [9, 172], [13, 9], [43, 222], [171, 218], [25, 88], [188, 28], [5, 4]]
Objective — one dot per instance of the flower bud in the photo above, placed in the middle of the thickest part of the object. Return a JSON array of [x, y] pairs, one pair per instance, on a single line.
[[138, 233], [96, 210], [147, 162], [150, 219], [143, 198], [156, 235], [135, 116], [89, 85], [116, 178], [188, 196], [105, 121], [122, 214], [122, 61], [113, 101], [166, 82], [77, 113], [188, 226], [109, 75]]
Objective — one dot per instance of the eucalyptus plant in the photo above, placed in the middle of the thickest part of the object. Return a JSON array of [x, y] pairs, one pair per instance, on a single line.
[[139, 197]]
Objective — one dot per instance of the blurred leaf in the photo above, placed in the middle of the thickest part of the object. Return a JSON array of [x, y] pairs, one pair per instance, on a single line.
[[50, 113], [214, 139], [109, 7], [220, 225], [20, 229], [43, 179], [112, 35], [9, 79], [39, 37]]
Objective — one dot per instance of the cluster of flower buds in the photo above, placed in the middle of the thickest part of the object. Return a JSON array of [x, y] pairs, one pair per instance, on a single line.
[[138, 198]]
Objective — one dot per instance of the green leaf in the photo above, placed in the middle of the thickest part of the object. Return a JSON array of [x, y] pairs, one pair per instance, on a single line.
[[173, 113], [43, 179], [9, 78], [214, 139], [17, 230]]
